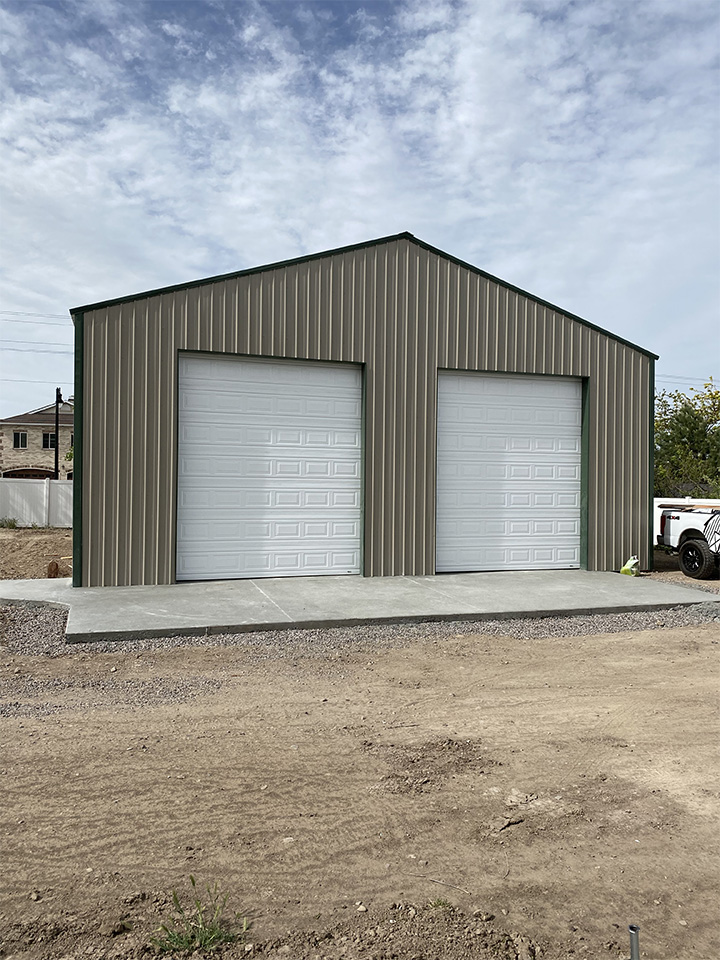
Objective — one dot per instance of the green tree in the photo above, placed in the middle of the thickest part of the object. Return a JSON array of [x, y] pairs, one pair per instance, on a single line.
[[687, 443]]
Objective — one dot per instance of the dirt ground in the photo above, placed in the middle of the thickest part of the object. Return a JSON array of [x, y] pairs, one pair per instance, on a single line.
[[25, 553], [475, 797]]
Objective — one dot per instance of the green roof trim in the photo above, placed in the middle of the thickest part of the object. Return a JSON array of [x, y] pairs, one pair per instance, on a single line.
[[144, 295]]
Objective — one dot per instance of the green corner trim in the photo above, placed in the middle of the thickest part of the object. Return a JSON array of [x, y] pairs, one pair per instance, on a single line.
[[651, 470], [78, 320], [584, 473]]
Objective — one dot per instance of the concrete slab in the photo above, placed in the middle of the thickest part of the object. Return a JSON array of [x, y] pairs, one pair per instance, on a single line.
[[238, 605]]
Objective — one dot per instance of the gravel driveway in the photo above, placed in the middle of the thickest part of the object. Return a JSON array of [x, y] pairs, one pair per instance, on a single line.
[[38, 630]]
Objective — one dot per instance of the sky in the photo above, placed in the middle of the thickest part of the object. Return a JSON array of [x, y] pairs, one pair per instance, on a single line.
[[570, 148]]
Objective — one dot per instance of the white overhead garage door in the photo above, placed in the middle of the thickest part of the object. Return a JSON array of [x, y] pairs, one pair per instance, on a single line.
[[508, 465], [269, 468]]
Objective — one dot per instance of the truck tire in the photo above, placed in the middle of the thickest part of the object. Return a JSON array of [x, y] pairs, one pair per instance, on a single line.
[[696, 559]]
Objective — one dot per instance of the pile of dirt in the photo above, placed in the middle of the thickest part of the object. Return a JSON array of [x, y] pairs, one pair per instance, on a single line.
[[438, 930], [27, 553], [403, 931], [425, 766]]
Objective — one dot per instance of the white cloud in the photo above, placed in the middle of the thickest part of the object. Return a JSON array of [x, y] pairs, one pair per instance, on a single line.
[[570, 148]]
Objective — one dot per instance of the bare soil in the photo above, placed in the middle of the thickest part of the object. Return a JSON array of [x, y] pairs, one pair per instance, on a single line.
[[477, 797], [26, 553]]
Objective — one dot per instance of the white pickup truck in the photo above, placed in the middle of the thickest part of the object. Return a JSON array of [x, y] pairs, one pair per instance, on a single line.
[[694, 534]]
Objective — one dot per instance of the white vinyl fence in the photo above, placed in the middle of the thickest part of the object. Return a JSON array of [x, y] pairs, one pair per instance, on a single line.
[[662, 503], [42, 503]]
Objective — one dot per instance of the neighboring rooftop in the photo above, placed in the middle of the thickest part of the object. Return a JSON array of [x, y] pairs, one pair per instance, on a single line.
[[44, 416]]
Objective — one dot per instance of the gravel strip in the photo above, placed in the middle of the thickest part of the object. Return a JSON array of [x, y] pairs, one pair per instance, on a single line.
[[39, 630], [669, 576]]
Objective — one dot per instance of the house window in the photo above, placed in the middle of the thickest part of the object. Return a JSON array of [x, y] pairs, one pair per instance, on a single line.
[[20, 440], [48, 441]]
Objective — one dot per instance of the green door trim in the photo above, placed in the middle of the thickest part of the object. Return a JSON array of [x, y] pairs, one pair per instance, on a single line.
[[584, 472]]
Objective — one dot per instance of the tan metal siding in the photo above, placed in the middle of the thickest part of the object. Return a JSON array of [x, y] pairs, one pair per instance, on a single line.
[[403, 312]]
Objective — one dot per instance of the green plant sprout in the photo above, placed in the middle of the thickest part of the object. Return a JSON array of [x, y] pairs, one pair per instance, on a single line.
[[202, 926], [440, 904]]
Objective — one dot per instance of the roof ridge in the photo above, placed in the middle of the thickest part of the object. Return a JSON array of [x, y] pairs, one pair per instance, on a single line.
[[405, 235]]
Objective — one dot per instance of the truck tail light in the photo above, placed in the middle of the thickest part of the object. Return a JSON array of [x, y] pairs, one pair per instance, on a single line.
[[663, 520]]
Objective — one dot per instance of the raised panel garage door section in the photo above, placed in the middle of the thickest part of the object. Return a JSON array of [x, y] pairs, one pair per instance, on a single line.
[[269, 468], [508, 465]]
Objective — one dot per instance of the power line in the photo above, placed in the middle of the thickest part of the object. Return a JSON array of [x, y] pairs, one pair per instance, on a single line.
[[64, 383], [19, 313], [56, 353], [49, 343], [44, 323], [679, 380]]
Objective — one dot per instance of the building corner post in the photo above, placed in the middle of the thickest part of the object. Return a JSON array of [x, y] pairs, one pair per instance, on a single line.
[[651, 470], [79, 323]]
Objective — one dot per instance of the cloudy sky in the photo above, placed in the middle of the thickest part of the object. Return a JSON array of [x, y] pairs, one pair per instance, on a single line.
[[570, 148]]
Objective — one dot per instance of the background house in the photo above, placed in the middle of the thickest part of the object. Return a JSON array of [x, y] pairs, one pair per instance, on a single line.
[[27, 443], [382, 409]]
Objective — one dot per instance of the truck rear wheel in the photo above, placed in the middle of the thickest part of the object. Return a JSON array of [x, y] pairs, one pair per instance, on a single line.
[[696, 559]]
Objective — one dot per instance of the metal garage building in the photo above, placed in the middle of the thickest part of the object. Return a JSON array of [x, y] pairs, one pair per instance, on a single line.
[[382, 409]]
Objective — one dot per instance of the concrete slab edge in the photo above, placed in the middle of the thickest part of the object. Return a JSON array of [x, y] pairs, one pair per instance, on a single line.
[[199, 631]]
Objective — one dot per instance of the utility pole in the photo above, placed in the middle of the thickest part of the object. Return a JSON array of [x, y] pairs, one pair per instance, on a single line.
[[58, 401]]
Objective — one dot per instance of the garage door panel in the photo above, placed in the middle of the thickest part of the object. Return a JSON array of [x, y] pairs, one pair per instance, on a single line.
[[253, 500], [511, 557], [568, 445], [269, 469], [253, 533], [463, 529], [295, 414], [214, 470], [496, 418], [226, 405], [508, 472], [464, 503], [566, 472], [515, 446], [549, 446], [282, 562], [228, 447]]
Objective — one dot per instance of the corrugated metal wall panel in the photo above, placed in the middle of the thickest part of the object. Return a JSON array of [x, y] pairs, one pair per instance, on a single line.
[[401, 310]]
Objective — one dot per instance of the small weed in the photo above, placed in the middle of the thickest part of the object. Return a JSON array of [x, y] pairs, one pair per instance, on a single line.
[[440, 904], [201, 927], [8, 523]]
